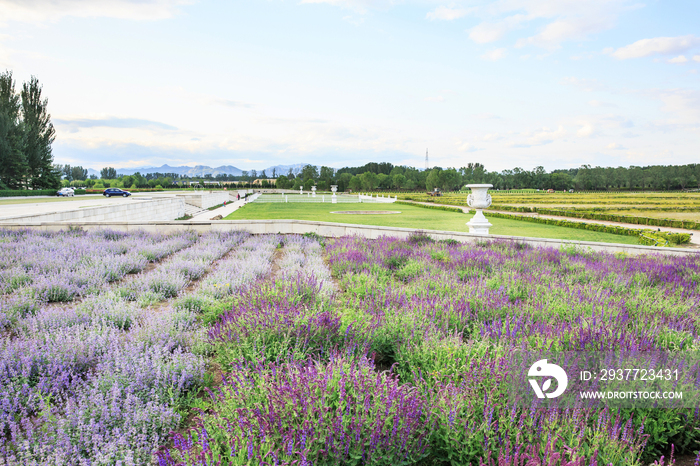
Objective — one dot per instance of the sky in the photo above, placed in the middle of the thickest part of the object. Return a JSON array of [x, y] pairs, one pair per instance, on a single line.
[[256, 83]]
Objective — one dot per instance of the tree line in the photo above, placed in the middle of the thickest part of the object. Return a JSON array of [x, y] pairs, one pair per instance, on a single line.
[[385, 176], [26, 135]]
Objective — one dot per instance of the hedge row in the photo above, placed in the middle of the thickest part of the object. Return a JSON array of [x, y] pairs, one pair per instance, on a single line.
[[565, 223], [33, 192], [135, 190], [436, 207], [658, 222], [668, 237], [640, 209], [650, 239], [662, 238]]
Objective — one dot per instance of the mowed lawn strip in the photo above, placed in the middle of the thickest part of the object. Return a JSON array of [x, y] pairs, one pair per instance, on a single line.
[[415, 217]]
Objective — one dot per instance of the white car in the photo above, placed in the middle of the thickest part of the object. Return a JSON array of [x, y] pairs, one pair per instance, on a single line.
[[68, 192]]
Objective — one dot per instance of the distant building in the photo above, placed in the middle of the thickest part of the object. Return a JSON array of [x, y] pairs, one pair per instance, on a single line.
[[259, 181]]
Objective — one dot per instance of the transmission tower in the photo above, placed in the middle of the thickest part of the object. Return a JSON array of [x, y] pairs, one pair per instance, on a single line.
[[426, 159]]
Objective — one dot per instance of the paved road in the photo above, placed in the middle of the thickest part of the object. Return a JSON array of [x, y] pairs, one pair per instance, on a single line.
[[694, 238], [223, 211], [71, 203]]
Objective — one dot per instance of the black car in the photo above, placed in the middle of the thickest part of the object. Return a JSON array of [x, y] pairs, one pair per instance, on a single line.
[[109, 192]]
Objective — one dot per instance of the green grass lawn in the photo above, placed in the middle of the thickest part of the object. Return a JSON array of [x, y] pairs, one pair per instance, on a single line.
[[415, 217]]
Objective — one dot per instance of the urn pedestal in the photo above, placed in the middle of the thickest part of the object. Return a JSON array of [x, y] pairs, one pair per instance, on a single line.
[[334, 188], [313, 191], [479, 199]]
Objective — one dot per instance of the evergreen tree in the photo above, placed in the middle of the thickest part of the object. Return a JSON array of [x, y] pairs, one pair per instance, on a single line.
[[108, 173], [39, 135], [13, 164]]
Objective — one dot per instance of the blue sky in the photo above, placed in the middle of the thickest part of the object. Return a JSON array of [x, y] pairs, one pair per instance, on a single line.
[[506, 83]]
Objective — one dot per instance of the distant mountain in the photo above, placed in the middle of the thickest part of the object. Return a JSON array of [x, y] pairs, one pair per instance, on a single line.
[[198, 170], [201, 170], [283, 169]]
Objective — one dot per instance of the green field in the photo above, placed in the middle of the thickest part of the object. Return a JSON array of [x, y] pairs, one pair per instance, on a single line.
[[415, 217], [666, 209]]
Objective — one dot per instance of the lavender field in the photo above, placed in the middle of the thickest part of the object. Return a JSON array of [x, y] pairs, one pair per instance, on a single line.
[[232, 349]]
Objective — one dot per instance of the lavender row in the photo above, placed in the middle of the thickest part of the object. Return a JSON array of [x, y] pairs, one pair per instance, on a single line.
[[103, 381], [171, 277], [57, 267], [447, 319], [303, 258]]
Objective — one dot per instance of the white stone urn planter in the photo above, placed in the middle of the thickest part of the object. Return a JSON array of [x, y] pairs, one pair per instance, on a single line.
[[313, 190], [334, 188], [301, 190], [479, 199]]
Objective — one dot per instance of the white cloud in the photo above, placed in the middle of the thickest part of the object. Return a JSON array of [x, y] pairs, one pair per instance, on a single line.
[[494, 55], [566, 29], [445, 13], [492, 137], [696, 58], [5, 61], [566, 19], [360, 6], [438, 98], [678, 59], [585, 84], [597, 103], [682, 105], [487, 116], [615, 146], [586, 130], [53, 10], [490, 32], [540, 137], [466, 147], [657, 46]]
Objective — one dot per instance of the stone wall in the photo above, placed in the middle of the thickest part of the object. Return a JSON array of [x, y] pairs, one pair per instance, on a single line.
[[206, 199], [341, 229], [130, 210]]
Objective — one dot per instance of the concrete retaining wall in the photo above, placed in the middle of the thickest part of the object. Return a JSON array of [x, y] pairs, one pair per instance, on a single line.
[[206, 199], [130, 210], [343, 229]]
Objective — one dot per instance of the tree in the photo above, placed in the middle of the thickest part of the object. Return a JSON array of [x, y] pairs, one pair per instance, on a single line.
[[283, 182], [369, 181], [309, 172], [344, 182], [39, 135], [13, 163], [560, 181], [449, 179], [78, 173], [433, 179], [108, 173], [66, 172], [355, 184], [398, 180], [326, 174]]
